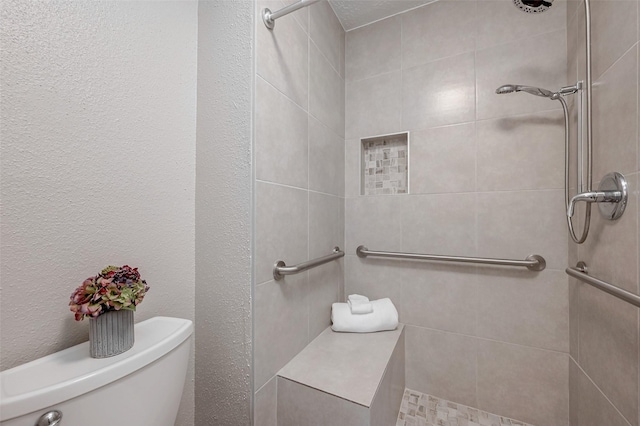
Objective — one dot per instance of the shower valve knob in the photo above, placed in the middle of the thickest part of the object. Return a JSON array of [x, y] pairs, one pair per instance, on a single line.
[[611, 197]]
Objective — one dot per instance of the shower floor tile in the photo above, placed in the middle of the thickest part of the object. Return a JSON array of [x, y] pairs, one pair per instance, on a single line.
[[419, 409]]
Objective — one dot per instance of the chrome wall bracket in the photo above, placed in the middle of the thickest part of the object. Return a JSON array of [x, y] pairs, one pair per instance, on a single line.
[[266, 18], [611, 196]]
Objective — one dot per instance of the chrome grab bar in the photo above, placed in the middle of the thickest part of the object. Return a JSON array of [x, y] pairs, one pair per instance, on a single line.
[[580, 272], [533, 262], [280, 269]]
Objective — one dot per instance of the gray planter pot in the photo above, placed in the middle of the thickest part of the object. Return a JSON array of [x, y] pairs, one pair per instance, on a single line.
[[111, 334]]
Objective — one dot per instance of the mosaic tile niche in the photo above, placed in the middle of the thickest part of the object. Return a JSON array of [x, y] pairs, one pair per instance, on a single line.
[[385, 165]]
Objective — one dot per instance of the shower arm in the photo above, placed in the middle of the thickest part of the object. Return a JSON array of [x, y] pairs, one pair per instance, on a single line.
[[269, 17]]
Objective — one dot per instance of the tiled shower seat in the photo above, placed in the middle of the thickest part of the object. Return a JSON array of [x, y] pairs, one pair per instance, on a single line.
[[344, 379]]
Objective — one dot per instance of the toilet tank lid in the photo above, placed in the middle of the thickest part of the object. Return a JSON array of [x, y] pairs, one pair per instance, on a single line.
[[72, 372]]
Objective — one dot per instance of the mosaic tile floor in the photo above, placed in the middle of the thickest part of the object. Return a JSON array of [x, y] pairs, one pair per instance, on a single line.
[[419, 409]]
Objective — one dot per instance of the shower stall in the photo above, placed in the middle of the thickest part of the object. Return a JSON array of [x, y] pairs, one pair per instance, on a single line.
[[486, 179]]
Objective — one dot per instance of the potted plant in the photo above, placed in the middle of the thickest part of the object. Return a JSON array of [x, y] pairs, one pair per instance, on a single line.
[[109, 300]]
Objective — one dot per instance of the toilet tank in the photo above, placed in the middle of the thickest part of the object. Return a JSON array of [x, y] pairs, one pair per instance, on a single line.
[[140, 387]]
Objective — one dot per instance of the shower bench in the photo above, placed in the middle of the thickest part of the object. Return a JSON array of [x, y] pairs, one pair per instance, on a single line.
[[344, 379]]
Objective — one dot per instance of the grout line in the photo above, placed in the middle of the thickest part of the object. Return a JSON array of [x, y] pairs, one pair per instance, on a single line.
[[284, 185], [264, 79], [325, 57], [599, 390], [434, 194], [299, 106], [487, 339], [528, 37], [390, 16], [266, 383]]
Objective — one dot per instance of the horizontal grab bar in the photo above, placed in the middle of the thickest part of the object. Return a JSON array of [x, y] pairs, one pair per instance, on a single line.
[[580, 272], [280, 269], [533, 262]]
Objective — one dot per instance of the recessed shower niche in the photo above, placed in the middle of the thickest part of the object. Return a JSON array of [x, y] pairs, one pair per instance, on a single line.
[[385, 165]]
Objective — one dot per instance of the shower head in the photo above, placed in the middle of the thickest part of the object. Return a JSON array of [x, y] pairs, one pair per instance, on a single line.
[[533, 6], [510, 88], [507, 88]]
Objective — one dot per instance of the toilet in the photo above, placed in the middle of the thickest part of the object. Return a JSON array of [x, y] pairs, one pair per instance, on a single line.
[[140, 387]]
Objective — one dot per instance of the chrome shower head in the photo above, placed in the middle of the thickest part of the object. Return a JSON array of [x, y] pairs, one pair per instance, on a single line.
[[533, 6], [507, 88], [510, 88]]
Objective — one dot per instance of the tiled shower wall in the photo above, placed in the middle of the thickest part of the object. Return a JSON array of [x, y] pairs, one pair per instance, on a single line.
[[486, 176], [604, 331], [299, 186]]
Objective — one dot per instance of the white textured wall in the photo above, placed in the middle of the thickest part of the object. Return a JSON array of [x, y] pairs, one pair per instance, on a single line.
[[223, 212], [98, 162]]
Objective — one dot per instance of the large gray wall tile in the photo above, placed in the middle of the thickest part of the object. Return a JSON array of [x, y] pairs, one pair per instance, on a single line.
[[326, 92], [265, 412], [615, 118], [327, 33], [352, 168], [431, 33], [438, 93], [326, 224], [281, 138], [523, 383], [282, 56], [281, 325], [282, 223], [536, 305], [326, 286], [517, 224], [326, 159], [442, 364], [374, 106], [521, 152], [614, 29], [374, 49], [374, 222], [609, 347], [442, 297], [443, 159], [373, 278], [326, 282], [591, 407], [438, 224]]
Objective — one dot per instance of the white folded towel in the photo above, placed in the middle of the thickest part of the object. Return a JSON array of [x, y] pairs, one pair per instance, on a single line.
[[357, 298], [360, 308], [383, 317], [359, 304]]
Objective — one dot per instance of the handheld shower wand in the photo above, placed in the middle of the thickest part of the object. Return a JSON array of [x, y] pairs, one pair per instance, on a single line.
[[569, 202], [612, 194], [537, 91]]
